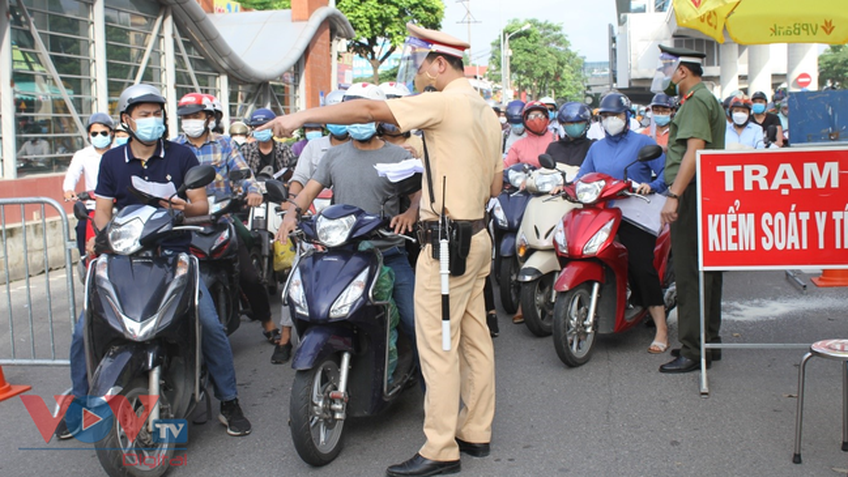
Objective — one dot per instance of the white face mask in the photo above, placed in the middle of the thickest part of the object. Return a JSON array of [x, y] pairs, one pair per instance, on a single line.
[[502, 119], [613, 125], [739, 118], [194, 128], [213, 123], [239, 140]]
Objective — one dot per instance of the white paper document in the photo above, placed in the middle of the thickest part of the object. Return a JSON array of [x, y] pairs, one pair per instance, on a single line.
[[401, 170], [154, 189], [645, 215]]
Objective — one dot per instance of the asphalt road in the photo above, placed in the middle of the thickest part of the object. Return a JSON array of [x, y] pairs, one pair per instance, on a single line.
[[614, 416]]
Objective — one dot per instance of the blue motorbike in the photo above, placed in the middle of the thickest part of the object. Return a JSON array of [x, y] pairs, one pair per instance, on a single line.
[[507, 213], [350, 361]]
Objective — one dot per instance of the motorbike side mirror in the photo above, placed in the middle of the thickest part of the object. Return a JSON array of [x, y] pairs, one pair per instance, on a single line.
[[771, 134], [266, 173], [276, 191], [649, 153], [197, 177], [546, 161], [80, 212], [238, 175]]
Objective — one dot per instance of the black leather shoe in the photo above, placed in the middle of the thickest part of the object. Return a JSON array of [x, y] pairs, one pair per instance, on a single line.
[[419, 466], [474, 450], [682, 364], [715, 354]]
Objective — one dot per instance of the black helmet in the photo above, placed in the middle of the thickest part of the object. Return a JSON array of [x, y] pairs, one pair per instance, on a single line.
[[574, 112], [615, 103], [662, 100], [759, 95], [514, 112]]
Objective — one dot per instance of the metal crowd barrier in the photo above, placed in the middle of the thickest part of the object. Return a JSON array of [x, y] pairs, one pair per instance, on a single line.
[[32, 331]]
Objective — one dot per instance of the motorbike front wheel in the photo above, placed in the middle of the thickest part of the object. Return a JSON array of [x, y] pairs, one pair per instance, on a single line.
[[508, 283], [142, 457], [316, 433], [537, 304], [572, 342]]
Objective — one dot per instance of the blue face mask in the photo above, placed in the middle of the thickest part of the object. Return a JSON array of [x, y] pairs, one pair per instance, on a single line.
[[313, 135], [101, 142], [338, 130], [263, 136], [574, 130], [149, 129], [120, 141], [662, 119], [758, 108], [552, 115], [362, 132], [517, 129]]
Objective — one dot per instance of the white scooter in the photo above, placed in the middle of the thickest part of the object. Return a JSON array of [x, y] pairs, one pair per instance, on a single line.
[[535, 246]]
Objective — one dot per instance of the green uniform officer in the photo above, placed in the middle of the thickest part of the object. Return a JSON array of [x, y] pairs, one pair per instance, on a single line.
[[699, 124], [462, 139]]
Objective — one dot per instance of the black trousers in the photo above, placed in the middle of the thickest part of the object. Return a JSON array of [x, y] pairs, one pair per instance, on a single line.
[[644, 278]]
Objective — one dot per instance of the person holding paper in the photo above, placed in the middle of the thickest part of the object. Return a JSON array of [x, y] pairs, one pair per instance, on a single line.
[[610, 156]]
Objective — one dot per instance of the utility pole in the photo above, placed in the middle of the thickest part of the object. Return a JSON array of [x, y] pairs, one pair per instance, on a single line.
[[468, 18]]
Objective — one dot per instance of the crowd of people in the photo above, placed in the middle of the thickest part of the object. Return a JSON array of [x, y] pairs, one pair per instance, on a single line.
[[460, 139]]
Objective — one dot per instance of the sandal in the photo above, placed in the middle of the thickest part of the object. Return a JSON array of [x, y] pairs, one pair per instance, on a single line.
[[518, 319], [658, 347], [273, 336]]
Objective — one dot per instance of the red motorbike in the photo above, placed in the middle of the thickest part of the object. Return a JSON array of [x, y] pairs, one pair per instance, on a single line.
[[592, 291]]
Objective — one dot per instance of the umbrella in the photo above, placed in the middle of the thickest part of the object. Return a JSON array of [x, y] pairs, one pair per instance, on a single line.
[[752, 22]]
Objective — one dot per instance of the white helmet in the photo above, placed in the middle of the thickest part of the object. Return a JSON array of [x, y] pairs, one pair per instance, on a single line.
[[394, 89], [335, 97], [548, 101], [364, 91]]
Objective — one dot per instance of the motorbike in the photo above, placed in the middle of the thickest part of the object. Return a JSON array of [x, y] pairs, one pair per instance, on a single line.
[[142, 333], [263, 222], [592, 291], [535, 248], [507, 213], [345, 363]]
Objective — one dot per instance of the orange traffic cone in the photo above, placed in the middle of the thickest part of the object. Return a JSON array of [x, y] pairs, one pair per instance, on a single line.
[[832, 278], [7, 390]]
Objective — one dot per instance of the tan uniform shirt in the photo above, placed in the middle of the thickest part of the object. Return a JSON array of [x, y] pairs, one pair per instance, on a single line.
[[463, 139]]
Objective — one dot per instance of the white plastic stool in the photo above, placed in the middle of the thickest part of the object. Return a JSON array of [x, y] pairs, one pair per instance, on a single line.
[[830, 349]]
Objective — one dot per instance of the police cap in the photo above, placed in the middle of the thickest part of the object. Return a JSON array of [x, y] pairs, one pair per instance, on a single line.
[[684, 54], [440, 42]]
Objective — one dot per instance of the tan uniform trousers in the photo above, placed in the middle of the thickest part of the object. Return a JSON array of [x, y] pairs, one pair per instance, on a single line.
[[466, 373]]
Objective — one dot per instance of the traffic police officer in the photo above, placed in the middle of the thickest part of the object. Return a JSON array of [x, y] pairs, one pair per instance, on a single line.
[[699, 125], [462, 139]]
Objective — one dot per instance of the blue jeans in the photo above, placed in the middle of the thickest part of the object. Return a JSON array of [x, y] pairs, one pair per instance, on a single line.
[[404, 290], [215, 347]]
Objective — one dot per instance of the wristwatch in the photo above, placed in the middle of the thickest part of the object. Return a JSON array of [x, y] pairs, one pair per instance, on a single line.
[[671, 194]]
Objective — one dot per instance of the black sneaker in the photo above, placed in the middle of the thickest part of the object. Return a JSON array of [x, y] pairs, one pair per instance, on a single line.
[[282, 353], [62, 431], [232, 417], [492, 322]]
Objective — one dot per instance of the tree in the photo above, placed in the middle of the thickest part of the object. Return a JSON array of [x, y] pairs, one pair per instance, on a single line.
[[833, 66], [541, 61], [266, 4], [380, 25]]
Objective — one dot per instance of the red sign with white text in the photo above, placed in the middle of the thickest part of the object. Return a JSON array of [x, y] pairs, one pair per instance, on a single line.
[[773, 209]]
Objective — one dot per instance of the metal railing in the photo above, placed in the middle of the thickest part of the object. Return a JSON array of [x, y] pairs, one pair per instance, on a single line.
[[33, 322]]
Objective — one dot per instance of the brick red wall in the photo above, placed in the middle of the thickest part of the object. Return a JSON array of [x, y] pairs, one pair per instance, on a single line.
[[303, 9], [49, 185], [318, 67]]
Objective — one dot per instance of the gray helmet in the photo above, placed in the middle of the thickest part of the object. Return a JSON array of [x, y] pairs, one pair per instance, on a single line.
[[100, 118], [139, 93], [334, 97], [238, 127]]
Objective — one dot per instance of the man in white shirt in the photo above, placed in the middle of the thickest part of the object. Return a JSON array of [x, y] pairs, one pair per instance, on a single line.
[[86, 162]]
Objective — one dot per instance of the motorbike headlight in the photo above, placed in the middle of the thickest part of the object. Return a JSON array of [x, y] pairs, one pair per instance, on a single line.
[[353, 292], [594, 244], [560, 241], [498, 214], [521, 245], [218, 206], [588, 192], [516, 178], [546, 182], [334, 232], [123, 238], [297, 294]]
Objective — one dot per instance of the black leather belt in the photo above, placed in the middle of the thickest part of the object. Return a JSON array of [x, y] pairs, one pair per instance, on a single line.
[[430, 229]]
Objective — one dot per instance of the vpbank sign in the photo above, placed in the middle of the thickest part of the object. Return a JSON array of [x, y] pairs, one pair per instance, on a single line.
[[801, 29], [92, 418]]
